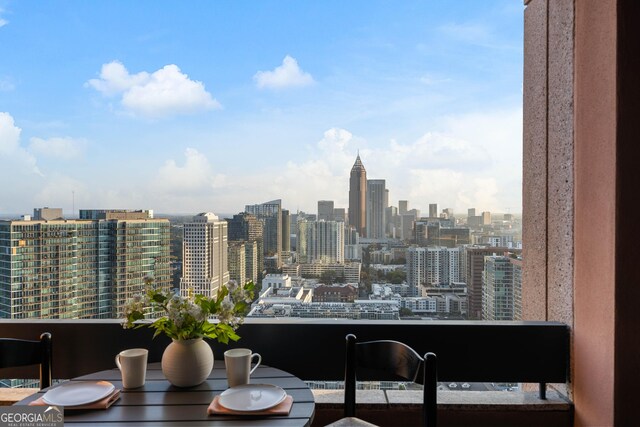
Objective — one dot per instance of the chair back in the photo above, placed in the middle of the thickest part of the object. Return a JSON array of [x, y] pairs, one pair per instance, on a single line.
[[386, 360], [19, 352]]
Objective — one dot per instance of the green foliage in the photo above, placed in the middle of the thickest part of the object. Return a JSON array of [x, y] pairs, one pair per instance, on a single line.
[[404, 311], [195, 316]]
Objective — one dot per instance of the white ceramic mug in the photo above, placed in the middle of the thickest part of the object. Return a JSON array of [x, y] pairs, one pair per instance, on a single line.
[[238, 364], [133, 366]]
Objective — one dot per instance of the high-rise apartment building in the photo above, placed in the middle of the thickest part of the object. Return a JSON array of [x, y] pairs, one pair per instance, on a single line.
[[499, 291], [80, 269], [377, 202], [392, 222], [204, 255], [433, 210], [248, 228], [244, 226], [352, 248], [472, 271], [432, 266], [252, 261], [270, 214], [285, 227], [325, 210], [237, 262], [358, 197], [321, 242], [516, 262]]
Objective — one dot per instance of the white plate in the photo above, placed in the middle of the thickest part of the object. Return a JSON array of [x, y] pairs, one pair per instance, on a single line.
[[252, 397], [74, 393]]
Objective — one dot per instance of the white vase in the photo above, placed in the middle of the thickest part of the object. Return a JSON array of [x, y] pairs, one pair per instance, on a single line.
[[187, 363]]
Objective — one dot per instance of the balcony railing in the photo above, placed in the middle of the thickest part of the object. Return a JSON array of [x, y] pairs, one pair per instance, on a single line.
[[313, 349]]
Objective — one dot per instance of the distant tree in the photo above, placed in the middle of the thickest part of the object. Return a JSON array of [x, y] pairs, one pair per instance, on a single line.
[[396, 277], [328, 277], [404, 311]]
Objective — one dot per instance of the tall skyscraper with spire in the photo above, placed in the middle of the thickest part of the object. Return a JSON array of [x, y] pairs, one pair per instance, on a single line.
[[358, 197]]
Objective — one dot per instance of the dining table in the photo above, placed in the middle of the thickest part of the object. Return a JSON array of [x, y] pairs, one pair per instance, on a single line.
[[159, 403]]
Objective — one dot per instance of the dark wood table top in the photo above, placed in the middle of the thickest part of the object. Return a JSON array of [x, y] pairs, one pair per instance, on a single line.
[[158, 403]]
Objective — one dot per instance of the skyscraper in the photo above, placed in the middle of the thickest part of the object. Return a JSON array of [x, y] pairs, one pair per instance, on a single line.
[[403, 207], [247, 228], [472, 271], [270, 214], [253, 255], [204, 255], [377, 202], [358, 197], [433, 210], [285, 230], [499, 294], [80, 269], [237, 261], [325, 210], [339, 214]]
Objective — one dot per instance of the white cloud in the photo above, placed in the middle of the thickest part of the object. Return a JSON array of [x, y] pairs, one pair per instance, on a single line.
[[289, 74], [9, 134], [196, 175], [115, 79], [62, 148], [162, 93], [473, 160], [335, 139], [16, 160], [19, 172], [438, 150]]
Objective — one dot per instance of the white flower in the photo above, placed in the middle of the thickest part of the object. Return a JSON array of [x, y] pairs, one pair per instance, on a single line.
[[196, 312]]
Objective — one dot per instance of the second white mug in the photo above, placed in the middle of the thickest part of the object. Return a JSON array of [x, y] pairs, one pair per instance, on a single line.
[[238, 364]]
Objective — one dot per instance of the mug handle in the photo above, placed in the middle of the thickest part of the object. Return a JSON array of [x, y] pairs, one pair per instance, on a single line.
[[257, 364], [118, 362]]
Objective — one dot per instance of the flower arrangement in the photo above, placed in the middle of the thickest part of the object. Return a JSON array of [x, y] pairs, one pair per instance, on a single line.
[[189, 317]]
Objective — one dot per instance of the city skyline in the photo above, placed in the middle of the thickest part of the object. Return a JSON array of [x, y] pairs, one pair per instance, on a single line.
[[182, 110]]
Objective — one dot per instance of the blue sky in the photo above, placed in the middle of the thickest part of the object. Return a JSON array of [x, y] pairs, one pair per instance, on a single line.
[[196, 106]]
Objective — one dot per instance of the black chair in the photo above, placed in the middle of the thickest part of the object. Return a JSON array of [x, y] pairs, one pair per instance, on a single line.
[[16, 352], [387, 360]]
